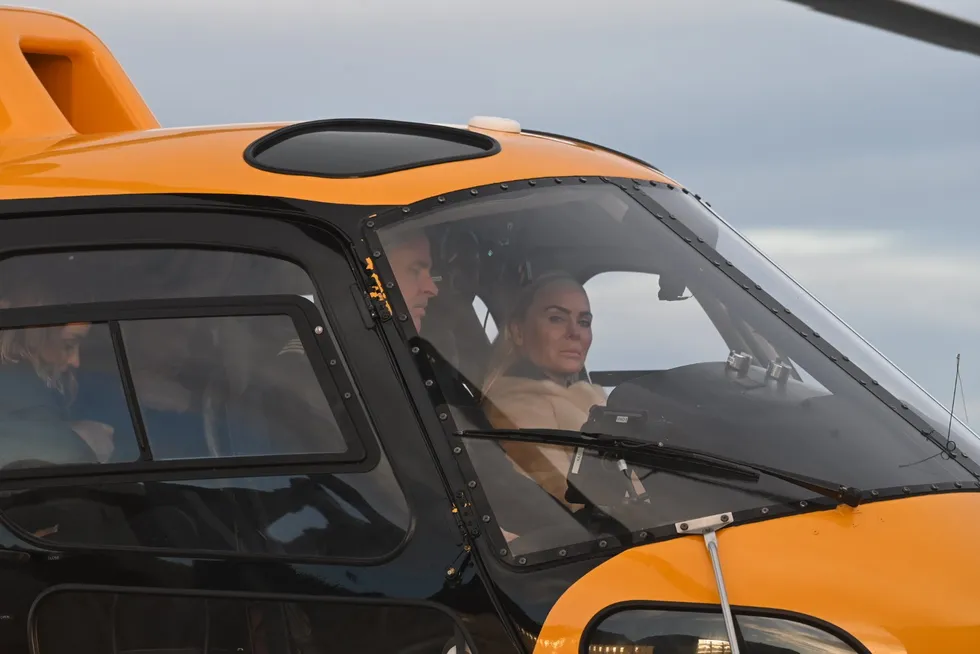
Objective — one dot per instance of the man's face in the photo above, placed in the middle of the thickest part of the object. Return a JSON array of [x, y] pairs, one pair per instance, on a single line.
[[411, 262]]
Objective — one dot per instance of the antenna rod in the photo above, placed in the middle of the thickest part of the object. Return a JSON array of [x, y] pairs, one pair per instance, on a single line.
[[952, 406]]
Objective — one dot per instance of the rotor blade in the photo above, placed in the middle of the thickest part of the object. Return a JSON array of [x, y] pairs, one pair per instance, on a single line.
[[906, 19]]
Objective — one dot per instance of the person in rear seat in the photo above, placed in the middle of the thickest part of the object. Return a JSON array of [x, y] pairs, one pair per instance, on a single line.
[[37, 388]]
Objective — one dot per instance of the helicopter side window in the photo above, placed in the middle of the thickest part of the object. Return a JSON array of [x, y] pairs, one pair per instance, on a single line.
[[192, 377], [648, 630], [39, 419], [222, 381], [168, 366]]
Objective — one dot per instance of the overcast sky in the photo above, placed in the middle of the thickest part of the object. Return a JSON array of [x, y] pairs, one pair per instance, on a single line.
[[793, 124]]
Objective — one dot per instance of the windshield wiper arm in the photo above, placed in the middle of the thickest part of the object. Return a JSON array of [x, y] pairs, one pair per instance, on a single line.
[[630, 446]]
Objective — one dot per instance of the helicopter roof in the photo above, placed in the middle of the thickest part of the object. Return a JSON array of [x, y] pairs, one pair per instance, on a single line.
[[73, 124], [211, 160]]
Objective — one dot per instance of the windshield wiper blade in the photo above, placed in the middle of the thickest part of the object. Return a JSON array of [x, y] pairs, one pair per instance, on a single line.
[[630, 446]]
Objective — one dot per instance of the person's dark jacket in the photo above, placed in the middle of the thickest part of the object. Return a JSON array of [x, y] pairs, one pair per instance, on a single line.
[[34, 424]]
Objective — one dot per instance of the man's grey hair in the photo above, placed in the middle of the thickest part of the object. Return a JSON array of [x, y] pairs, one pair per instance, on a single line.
[[400, 235]]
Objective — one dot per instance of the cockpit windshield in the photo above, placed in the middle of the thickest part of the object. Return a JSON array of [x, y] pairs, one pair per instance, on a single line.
[[605, 306], [705, 222]]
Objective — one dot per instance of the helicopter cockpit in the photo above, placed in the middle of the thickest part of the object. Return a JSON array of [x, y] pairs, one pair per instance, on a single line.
[[670, 344]]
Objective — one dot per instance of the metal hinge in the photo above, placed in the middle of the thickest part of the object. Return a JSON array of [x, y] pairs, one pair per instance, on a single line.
[[365, 309], [466, 520], [706, 527], [370, 297], [377, 298]]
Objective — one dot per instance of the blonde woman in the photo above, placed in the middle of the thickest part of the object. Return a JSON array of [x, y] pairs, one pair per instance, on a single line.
[[536, 376]]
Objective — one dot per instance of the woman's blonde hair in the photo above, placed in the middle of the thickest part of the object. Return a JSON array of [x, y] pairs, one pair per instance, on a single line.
[[24, 344], [505, 353]]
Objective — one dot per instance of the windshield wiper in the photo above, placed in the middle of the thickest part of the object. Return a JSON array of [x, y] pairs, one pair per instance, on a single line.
[[628, 447]]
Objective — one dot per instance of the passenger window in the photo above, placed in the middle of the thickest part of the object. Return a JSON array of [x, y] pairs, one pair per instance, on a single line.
[[149, 274], [67, 622], [646, 631], [674, 332], [229, 386], [353, 516], [40, 420], [204, 387], [163, 385]]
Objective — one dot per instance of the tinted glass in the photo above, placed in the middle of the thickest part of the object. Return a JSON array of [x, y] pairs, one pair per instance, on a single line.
[[764, 634], [685, 334], [649, 632], [338, 152], [145, 274], [130, 623], [232, 386], [206, 388], [664, 332], [687, 632], [44, 419], [359, 516], [736, 248]]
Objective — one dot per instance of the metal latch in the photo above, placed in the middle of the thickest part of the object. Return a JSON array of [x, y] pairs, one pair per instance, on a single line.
[[707, 526]]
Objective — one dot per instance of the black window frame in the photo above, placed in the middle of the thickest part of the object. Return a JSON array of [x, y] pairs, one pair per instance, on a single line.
[[309, 235], [738, 610], [417, 368], [305, 319]]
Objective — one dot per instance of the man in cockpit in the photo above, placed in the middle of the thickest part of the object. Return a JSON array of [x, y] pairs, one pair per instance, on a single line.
[[411, 261]]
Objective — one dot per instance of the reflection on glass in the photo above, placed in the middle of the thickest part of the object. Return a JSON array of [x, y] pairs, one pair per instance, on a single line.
[[754, 263], [221, 387], [656, 632], [68, 622], [357, 516], [789, 637], [601, 310], [233, 386], [150, 274], [641, 631]]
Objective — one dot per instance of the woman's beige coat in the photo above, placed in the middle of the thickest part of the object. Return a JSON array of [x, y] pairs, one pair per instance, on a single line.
[[519, 402]]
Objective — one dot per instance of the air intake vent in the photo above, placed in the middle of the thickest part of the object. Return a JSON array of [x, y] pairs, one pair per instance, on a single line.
[[59, 79], [349, 148]]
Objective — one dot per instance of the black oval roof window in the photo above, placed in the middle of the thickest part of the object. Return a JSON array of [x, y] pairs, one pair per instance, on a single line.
[[363, 147]]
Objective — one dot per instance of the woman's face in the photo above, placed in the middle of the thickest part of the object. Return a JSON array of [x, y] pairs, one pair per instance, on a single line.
[[556, 333], [62, 351]]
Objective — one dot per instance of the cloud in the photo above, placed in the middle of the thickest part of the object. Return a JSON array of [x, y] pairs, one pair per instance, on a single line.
[[917, 302], [670, 81], [877, 273], [297, 13], [809, 242]]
